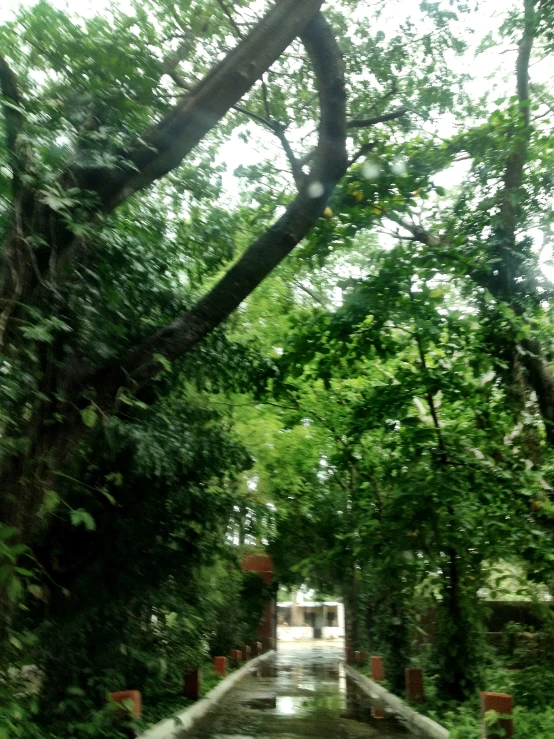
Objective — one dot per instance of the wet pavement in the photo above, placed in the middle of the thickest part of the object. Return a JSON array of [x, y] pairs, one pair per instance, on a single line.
[[302, 691]]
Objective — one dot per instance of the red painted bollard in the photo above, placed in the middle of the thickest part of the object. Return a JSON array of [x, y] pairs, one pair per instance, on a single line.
[[349, 655], [362, 657], [414, 684], [245, 653], [257, 648], [191, 683], [377, 669], [235, 657], [378, 711], [220, 666], [131, 706], [501, 703]]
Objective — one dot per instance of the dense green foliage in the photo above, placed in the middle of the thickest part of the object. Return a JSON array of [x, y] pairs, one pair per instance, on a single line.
[[379, 412]]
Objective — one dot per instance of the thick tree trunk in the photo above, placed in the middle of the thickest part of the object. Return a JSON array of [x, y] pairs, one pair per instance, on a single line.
[[459, 635]]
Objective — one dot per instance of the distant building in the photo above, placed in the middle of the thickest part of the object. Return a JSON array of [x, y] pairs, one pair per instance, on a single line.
[[306, 619]]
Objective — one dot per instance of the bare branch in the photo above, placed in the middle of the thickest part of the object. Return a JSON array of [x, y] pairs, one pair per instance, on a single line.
[[171, 63], [366, 122], [513, 174], [229, 15], [279, 130], [260, 119], [296, 167], [541, 380], [309, 292], [365, 149], [386, 97], [265, 96], [418, 232]]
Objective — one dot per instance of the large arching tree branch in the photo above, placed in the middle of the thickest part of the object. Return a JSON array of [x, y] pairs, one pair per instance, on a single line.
[[24, 481], [155, 153], [330, 163], [165, 145]]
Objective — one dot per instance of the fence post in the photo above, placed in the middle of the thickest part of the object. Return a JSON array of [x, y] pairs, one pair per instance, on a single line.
[[191, 683], [122, 715], [414, 684], [235, 657], [377, 669], [129, 695], [220, 666], [378, 711], [245, 653], [257, 648], [501, 703]]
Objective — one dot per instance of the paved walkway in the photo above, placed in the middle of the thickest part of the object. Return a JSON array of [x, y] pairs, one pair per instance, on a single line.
[[300, 692]]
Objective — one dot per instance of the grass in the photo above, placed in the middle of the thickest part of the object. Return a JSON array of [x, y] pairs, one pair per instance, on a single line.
[[532, 688], [169, 699]]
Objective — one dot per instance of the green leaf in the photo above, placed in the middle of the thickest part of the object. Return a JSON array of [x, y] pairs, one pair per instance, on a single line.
[[164, 361], [6, 532], [108, 496], [75, 690], [80, 516], [116, 478], [57, 202], [14, 589], [51, 501], [89, 416], [24, 572], [36, 591], [14, 641]]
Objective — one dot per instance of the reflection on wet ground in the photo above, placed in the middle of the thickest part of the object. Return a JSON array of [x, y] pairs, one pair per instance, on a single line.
[[301, 692]]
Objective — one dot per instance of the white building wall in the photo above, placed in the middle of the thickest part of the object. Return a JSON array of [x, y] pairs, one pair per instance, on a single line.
[[292, 633], [332, 632], [340, 616]]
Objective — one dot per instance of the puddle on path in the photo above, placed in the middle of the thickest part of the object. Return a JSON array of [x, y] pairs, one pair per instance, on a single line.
[[302, 692]]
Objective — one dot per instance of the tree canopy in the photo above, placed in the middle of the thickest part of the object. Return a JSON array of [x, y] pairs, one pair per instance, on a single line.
[[272, 274]]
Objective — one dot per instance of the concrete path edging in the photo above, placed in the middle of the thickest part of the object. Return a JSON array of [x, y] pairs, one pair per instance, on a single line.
[[422, 725], [182, 720]]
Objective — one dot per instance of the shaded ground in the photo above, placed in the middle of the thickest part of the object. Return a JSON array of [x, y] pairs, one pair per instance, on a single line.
[[301, 692]]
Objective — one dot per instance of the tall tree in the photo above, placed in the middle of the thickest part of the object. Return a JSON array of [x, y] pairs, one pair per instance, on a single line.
[[52, 232]]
